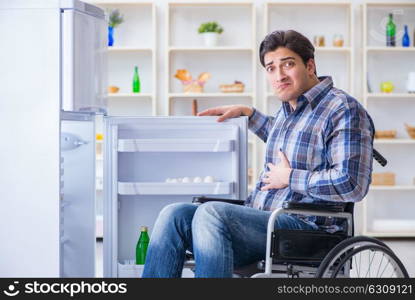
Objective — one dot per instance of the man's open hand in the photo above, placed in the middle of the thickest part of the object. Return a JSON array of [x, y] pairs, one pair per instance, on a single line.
[[227, 111], [278, 176]]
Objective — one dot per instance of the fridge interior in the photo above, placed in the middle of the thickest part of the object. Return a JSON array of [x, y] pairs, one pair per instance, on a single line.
[[142, 158]]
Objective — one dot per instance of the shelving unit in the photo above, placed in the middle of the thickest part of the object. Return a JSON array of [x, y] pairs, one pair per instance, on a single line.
[[234, 58], [298, 16], [135, 44], [385, 209]]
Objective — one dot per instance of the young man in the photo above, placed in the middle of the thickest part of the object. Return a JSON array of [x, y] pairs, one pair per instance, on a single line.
[[318, 148]]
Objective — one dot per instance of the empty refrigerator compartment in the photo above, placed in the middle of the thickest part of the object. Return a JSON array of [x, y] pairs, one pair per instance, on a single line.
[[176, 188], [128, 269], [176, 145]]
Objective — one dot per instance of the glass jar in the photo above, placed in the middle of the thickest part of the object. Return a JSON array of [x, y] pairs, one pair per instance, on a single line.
[[338, 40]]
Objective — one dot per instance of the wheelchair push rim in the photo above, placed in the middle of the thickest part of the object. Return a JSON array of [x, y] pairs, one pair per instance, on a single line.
[[378, 262], [344, 260]]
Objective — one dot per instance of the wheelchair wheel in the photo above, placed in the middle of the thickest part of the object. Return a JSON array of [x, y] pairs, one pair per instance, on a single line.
[[361, 257]]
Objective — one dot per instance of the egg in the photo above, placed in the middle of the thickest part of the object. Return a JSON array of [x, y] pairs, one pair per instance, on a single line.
[[173, 180], [168, 180], [186, 180], [197, 179]]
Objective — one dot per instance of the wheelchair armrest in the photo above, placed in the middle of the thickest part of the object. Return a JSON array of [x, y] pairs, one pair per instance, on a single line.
[[325, 207], [203, 199]]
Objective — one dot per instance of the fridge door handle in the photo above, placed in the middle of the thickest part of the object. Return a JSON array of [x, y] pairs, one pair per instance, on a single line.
[[70, 141]]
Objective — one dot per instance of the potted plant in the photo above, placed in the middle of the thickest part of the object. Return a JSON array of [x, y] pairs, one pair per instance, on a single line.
[[210, 32], [115, 19]]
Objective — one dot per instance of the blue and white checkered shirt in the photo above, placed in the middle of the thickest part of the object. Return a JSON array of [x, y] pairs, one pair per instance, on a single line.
[[328, 140]]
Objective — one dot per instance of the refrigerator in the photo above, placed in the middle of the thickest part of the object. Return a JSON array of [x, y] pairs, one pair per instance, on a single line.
[[53, 91]]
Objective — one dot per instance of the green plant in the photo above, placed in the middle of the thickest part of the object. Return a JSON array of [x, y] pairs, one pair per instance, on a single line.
[[115, 18], [210, 27]]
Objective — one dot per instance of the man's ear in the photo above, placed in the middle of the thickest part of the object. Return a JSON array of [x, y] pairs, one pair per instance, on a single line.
[[311, 67]]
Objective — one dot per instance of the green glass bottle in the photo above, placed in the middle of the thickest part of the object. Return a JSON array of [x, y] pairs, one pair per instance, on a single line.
[[390, 32], [142, 245], [136, 81]]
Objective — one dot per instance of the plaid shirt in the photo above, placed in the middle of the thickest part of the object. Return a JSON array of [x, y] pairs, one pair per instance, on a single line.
[[328, 140]]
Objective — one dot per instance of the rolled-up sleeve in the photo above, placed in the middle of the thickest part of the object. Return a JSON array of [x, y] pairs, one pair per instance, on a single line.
[[260, 124], [349, 148]]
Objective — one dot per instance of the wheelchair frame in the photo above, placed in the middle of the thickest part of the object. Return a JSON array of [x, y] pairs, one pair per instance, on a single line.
[[294, 270], [343, 251]]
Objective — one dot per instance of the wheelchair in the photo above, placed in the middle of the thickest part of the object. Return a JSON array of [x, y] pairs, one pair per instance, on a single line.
[[318, 253]]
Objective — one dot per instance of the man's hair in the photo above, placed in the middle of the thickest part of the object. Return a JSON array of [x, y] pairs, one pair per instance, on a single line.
[[289, 39]]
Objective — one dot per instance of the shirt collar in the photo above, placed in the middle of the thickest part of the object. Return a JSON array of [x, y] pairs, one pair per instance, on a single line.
[[319, 91], [313, 95]]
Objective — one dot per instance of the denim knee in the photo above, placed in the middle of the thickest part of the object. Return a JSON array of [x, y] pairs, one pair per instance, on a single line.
[[176, 213], [209, 213]]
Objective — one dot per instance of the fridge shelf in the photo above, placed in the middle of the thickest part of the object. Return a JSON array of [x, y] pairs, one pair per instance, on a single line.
[[128, 269], [165, 188], [175, 145]]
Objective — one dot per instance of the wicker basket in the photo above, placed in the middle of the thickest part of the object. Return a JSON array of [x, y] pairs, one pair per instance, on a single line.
[[193, 87], [410, 130], [113, 89], [232, 88], [385, 134], [387, 178]]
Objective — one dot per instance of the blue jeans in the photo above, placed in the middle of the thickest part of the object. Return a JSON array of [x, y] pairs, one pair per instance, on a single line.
[[220, 235]]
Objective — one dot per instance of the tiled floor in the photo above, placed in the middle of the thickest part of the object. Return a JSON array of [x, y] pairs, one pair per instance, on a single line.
[[403, 248]]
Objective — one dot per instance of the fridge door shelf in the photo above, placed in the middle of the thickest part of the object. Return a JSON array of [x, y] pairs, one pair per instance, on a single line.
[[129, 269], [175, 145], [166, 188]]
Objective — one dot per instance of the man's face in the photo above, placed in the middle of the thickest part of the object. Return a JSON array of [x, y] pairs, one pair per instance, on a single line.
[[287, 74]]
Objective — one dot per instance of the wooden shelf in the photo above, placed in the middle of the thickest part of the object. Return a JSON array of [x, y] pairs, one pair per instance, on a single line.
[[392, 188], [388, 4], [112, 3], [390, 49], [128, 49], [189, 3], [204, 49], [390, 95], [394, 141], [130, 95], [333, 49], [314, 3], [389, 234]]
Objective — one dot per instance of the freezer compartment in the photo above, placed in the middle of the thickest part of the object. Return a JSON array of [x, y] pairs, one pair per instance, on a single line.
[[84, 51], [175, 145], [165, 188]]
